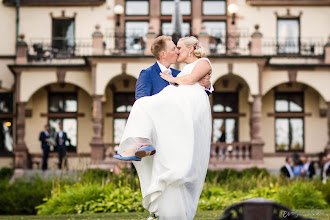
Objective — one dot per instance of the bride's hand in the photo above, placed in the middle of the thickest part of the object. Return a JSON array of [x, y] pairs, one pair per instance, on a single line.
[[168, 78]]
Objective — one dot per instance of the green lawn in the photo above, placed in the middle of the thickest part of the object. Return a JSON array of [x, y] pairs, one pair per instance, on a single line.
[[323, 214]]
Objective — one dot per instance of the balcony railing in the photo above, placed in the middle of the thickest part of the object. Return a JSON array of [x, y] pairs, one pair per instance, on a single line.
[[133, 43], [231, 44], [45, 49], [293, 47], [237, 151]]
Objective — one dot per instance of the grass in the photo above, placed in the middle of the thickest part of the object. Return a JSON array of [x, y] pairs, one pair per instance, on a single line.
[[323, 214]]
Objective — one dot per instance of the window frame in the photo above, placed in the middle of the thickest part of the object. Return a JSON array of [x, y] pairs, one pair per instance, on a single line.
[[136, 15], [225, 115], [61, 115], [120, 115], [183, 15], [135, 21], [202, 8], [74, 35], [63, 95], [8, 116], [277, 34], [290, 115], [166, 21]]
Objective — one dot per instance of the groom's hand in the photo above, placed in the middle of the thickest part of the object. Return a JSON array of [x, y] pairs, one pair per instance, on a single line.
[[205, 81]]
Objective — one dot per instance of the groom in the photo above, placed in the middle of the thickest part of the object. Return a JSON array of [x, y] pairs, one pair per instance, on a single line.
[[150, 83], [166, 53]]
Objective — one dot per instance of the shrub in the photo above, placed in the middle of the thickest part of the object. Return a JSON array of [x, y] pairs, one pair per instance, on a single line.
[[6, 173], [301, 195], [92, 198], [22, 197], [324, 188]]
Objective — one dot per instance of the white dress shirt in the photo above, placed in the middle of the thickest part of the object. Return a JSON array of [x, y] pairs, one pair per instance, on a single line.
[[288, 167], [306, 167]]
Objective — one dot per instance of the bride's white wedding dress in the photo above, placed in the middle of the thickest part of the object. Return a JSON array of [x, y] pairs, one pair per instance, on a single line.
[[177, 122]]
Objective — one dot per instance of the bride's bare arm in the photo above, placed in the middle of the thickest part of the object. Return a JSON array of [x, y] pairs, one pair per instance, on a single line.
[[201, 69]]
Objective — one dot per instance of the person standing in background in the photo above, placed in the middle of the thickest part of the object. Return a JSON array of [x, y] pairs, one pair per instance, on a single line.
[[286, 170], [308, 167], [61, 138], [44, 138]]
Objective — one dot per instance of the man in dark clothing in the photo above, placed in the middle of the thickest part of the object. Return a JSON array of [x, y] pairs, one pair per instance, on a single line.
[[308, 167], [44, 138], [286, 170], [61, 138]]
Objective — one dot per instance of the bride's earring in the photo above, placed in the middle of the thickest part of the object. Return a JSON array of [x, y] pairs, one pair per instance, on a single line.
[[189, 54]]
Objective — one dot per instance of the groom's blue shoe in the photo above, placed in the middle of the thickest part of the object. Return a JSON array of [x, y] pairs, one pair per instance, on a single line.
[[131, 158], [145, 151]]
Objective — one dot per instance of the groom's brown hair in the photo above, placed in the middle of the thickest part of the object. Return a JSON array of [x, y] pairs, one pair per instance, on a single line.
[[159, 45]]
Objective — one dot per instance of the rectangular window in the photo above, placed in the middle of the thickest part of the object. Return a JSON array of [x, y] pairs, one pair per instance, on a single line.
[[225, 119], [135, 7], [135, 32], [63, 37], [168, 28], [214, 7], [6, 136], [6, 123], [225, 130], [62, 102], [6, 103], [168, 6], [217, 32], [288, 35], [289, 128], [225, 102], [70, 127], [289, 102], [123, 102]]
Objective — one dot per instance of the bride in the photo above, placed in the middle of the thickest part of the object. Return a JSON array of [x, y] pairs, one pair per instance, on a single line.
[[176, 123]]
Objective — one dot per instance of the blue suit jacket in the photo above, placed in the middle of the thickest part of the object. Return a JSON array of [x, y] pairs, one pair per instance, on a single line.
[[150, 83]]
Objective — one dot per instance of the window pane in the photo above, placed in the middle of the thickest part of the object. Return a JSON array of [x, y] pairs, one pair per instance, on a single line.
[[214, 7], [168, 29], [282, 134], [6, 136], [63, 102], [217, 123], [225, 102], [288, 35], [281, 105], [63, 34], [6, 103], [71, 104], [296, 103], [215, 28], [289, 102], [230, 130], [297, 131], [70, 127], [167, 7], [137, 7], [55, 103], [135, 36], [119, 126], [123, 101]]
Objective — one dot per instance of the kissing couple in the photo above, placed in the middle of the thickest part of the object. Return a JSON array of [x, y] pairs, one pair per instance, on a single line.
[[168, 132]]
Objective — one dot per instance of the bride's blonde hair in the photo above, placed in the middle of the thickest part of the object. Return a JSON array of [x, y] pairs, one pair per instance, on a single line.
[[192, 41]]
